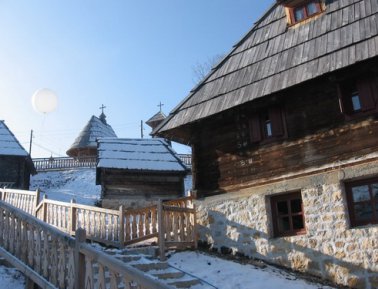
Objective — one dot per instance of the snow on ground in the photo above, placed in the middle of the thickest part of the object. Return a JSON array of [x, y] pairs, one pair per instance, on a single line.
[[78, 184], [11, 278], [225, 274]]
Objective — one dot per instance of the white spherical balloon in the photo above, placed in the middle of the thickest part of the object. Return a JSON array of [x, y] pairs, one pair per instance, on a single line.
[[44, 100]]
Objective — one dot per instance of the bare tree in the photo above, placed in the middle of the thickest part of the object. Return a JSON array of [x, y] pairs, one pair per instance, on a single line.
[[200, 70]]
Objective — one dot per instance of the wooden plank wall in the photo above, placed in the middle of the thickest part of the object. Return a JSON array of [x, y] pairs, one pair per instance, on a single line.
[[118, 184], [14, 169], [226, 160]]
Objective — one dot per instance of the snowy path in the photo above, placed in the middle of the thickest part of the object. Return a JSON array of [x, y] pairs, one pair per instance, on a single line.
[[224, 274]]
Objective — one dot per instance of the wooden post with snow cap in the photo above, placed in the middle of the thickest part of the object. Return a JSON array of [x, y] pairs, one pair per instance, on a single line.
[[161, 230]]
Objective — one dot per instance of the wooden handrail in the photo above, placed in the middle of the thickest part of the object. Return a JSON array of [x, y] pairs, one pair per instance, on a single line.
[[118, 228], [53, 259]]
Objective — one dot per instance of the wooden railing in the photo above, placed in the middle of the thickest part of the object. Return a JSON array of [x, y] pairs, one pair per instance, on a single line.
[[186, 159], [48, 164], [53, 259], [173, 222], [24, 200], [6, 184], [59, 163]]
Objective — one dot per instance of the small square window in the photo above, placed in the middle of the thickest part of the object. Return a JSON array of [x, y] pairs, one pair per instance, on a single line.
[[287, 214], [304, 10], [363, 202], [267, 125]]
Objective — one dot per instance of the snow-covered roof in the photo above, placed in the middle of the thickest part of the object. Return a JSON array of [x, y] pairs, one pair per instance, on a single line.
[[9, 145], [94, 129], [138, 154]]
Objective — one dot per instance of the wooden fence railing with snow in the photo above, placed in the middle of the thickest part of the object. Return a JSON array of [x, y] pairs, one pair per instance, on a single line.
[[173, 222], [60, 163], [53, 259], [49, 164]]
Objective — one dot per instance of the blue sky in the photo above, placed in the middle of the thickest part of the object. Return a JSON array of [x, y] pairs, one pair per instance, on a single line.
[[127, 55]]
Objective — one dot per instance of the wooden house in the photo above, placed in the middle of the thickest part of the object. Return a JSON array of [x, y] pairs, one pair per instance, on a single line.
[[16, 166], [138, 172], [85, 144], [284, 134]]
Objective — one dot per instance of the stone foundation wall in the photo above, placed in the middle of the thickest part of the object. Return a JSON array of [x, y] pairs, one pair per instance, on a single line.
[[330, 249]]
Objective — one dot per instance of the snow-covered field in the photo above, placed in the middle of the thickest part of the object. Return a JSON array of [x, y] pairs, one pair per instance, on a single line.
[[220, 273], [78, 184]]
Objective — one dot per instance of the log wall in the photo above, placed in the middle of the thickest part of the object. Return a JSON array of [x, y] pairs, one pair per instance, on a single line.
[[139, 189], [14, 170], [317, 134]]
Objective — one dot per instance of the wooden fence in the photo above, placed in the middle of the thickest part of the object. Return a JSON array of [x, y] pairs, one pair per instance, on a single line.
[[24, 200], [53, 259], [47, 164], [173, 222], [59, 163]]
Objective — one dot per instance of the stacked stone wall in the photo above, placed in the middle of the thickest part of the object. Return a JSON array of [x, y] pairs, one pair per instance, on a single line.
[[330, 248]]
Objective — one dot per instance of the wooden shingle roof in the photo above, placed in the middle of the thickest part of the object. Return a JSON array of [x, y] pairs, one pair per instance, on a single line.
[[273, 57], [94, 129], [153, 155], [9, 145]]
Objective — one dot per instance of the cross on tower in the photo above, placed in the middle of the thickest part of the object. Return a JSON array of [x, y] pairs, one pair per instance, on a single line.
[[102, 108], [160, 105]]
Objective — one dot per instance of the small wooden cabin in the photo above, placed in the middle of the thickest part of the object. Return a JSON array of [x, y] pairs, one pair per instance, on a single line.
[[16, 165], [284, 135], [138, 172], [85, 144]]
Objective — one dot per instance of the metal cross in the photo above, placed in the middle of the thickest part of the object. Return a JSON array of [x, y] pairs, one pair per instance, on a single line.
[[102, 108], [160, 105]]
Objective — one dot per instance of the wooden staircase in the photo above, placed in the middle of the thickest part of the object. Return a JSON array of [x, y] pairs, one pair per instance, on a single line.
[[51, 258]]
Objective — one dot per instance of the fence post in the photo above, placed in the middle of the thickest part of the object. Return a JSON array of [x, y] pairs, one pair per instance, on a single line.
[[72, 216], [195, 234], [161, 230], [44, 208], [121, 227], [36, 201], [80, 237]]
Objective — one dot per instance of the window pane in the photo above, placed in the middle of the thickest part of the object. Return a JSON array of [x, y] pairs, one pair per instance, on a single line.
[[299, 14], [283, 224], [363, 211], [298, 222], [360, 193], [268, 127], [282, 208], [356, 102], [312, 8], [296, 206]]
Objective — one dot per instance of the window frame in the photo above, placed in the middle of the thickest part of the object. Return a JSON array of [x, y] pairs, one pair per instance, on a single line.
[[275, 215], [276, 119], [304, 7], [354, 222], [367, 89]]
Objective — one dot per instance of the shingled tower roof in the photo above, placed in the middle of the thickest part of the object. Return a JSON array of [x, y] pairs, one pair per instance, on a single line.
[[85, 144], [274, 56]]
